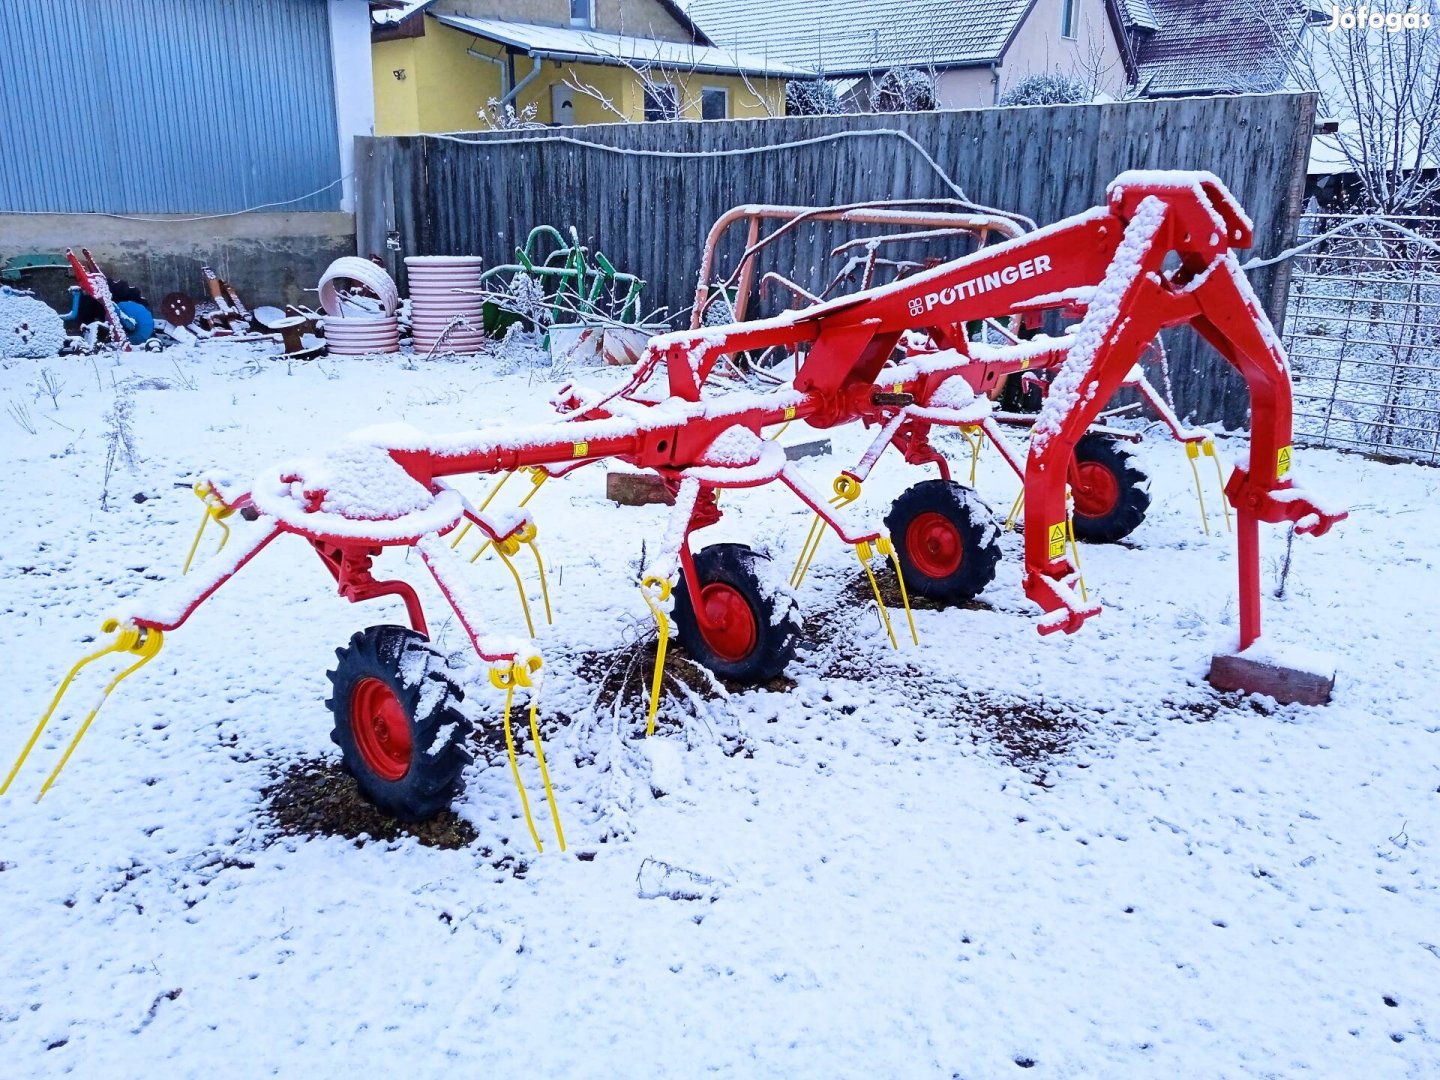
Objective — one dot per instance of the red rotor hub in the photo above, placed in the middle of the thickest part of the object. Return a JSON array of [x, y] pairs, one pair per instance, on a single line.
[[728, 624], [381, 728], [1095, 488], [934, 545]]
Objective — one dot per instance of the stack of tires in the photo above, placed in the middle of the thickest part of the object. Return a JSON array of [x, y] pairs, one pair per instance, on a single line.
[[352, 325], [446, 310]]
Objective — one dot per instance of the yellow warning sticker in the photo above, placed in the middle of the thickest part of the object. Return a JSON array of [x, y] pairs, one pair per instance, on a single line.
[[898, 388], [1025, 363], [1057, 541], [581, 449], [1282, 462], [790, 412]]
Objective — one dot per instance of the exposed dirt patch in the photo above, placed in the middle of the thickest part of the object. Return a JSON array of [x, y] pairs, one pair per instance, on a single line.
[[1029, 734], [621, 677], [316, 797]]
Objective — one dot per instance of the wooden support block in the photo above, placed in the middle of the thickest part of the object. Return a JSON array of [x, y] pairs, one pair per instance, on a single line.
[[817, 448], [1270, 676], [637, 489]]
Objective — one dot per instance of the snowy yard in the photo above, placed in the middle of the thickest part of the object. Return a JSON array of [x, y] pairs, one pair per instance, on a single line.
[[992, 855]]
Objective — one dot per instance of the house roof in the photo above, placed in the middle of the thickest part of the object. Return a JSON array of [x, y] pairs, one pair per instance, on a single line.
[[1138, 15], [852, 37], [1210, 46], [620, 50]]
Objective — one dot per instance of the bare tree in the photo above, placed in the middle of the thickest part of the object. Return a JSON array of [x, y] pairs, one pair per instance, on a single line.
[[1383, 88]]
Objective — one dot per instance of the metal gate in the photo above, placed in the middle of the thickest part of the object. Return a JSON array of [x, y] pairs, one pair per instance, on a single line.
[[1363, 331]]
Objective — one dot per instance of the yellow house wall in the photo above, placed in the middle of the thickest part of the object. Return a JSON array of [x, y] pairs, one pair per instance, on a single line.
[[446, 89], [397, 110]]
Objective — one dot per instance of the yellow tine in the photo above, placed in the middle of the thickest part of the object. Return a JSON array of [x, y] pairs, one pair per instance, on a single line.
[[1014, 514], [519, 586], [880, 604], [545, 772], [544, 586], [84, 727], [114, 646], [1192, 452], [195, 544], [977, 443], [781, 431], [663, 624], [1209, 449], [538, 478], [1075, 553], [460, 534], [489, 498], [515, 768], [803, 562], [904, 593], [224, 529]]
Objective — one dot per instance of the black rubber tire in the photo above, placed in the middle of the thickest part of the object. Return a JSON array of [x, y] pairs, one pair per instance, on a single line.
[[975, 539], [1131, 490], [774, 611], [415, 673]]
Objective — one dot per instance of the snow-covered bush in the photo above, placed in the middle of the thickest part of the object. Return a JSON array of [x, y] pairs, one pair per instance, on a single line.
[[1047, 88], [903, 90], [812, 97]]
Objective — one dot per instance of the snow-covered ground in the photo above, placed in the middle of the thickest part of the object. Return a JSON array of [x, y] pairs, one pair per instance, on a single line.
[[989, 854]]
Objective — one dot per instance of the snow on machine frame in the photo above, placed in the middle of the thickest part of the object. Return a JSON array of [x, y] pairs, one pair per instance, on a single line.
[[386, 486]]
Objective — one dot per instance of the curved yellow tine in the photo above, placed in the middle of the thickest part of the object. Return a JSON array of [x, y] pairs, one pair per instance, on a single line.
[[862, 550], [519, 586], [806, 553], [1192, 452], [1209, 449], [195, 544], [887, 548], [545, 772], [114, 646], [515, 768], [544, 585], [663, 624], [145, 658]]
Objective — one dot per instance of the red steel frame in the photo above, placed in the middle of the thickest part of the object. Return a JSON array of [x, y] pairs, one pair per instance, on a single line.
[[843, 349]]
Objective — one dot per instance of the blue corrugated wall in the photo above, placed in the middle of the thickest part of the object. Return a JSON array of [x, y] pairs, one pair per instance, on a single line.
[[166, 106]]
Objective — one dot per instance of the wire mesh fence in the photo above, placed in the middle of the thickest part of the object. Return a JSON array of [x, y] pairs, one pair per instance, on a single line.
[[1363, 333]]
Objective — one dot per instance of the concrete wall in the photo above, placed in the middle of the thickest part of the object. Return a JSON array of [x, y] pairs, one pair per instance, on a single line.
[[269, 258], [1039, 47], [445, 88]]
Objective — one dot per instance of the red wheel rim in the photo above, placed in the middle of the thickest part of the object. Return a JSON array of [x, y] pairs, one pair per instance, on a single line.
[[1096, 490], [381, 728], [729, 625], [934, 545]]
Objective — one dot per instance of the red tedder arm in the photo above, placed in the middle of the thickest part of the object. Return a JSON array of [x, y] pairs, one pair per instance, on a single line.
[[1116, 257]]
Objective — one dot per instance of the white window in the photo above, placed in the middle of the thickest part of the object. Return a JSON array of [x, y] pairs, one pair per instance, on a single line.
[[662, 101], [714, 103], [1067, 18], [582, 13]]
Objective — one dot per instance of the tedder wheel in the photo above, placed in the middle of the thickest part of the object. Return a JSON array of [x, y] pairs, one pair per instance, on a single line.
[[1112, 491], [946, 538], [753, 620], [398, 730]]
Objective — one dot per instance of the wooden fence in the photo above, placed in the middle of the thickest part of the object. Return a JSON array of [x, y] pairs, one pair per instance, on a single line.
[[649, 208]]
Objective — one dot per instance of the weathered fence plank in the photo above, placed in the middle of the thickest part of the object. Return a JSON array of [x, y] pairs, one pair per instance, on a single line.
[[481, 193]]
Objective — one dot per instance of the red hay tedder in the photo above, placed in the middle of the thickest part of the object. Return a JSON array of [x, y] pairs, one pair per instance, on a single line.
[[894, 357]]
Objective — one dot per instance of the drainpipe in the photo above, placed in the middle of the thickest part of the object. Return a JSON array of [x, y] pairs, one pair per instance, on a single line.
[[994, 82], [499, 63], [530, 77]]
